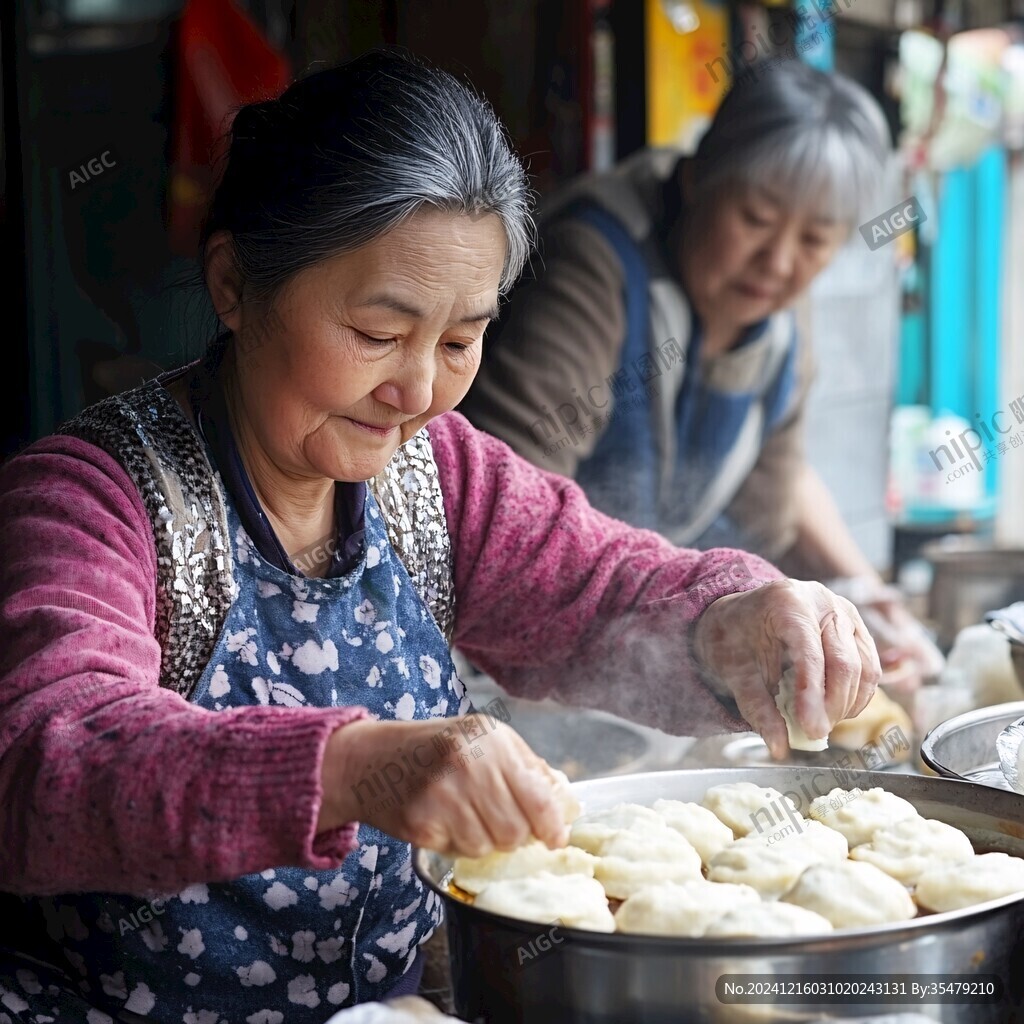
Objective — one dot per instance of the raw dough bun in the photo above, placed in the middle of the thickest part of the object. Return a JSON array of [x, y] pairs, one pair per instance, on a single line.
[[593, 831], [826, 842], [564, 795], [403, 1010], [881, 714], [904, 851], [705, 833], [630, 862], [736, 804], [572, 900], [861, 812], [952, 886], [785, 701], [852, 894], [417, 1008], [685, 909], [805, 837], [474, 874], [766, 921], [771, 870]]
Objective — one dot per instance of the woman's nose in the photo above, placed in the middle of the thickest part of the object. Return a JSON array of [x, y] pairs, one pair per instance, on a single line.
[[411, 387], [781, 253]]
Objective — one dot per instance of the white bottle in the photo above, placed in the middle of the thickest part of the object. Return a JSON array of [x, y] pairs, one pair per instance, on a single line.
[[948, 474], [906, 427]]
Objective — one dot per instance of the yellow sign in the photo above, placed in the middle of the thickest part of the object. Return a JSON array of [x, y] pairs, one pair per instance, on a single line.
[[686, 70]]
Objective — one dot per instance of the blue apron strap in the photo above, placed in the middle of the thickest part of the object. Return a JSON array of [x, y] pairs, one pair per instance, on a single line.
[[634, 266]]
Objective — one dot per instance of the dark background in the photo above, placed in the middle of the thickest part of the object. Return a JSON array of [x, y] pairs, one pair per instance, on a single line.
[[97, 302]]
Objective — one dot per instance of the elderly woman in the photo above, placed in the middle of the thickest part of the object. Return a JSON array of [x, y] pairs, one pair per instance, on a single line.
[[652, 353], [228, 597]]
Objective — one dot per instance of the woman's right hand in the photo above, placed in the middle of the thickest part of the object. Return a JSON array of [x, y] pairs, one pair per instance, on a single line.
[[746, 640], [494, 800]]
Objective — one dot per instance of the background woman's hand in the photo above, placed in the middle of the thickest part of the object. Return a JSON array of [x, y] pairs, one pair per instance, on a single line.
[[746, 641], [908, 654], [392, 775]]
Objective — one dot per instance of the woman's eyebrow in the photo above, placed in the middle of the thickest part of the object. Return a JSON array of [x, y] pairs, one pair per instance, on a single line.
[[822, 219], [396, 305], [768, 196], [491, 313]]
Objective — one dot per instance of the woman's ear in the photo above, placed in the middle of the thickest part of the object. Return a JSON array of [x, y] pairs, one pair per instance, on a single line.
[[223, 281]]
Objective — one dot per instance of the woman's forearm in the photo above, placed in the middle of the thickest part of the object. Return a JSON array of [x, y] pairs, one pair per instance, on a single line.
[[107, 781], [556, 600]]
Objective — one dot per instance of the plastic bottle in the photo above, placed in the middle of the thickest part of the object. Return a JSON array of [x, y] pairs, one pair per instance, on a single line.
[[944, 478]]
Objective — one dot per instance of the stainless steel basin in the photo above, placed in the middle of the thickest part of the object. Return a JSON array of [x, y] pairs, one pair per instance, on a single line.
[[964, 747]]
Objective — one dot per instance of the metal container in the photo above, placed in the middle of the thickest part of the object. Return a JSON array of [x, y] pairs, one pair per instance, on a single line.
[[582, 742], [588, 744], [970, 578], [513, 972], [1017, 657], [748, 750], [964, 747]]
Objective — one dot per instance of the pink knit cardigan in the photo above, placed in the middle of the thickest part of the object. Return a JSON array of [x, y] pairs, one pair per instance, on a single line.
[[110, 783]]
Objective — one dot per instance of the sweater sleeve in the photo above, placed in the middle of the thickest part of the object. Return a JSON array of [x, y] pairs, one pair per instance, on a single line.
[[107, 781], [554, 599], [547, 360]]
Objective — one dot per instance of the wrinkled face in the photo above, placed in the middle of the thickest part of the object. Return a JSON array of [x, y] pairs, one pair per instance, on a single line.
[[746, 254], [360, 351]]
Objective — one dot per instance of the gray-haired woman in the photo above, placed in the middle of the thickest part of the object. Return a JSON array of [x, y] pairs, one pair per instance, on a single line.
[[227, 598], [651, 353]]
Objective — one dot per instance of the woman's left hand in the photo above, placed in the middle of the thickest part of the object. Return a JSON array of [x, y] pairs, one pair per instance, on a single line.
[[746, 641]]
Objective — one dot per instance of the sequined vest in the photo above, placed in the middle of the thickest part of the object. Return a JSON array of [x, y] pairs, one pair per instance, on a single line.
[[147, 432]]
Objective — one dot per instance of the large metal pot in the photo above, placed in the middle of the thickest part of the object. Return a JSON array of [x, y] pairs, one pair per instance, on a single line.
[[514, 972]]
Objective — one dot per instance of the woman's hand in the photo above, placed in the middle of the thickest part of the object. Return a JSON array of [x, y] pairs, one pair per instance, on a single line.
[[908, 654], [746, 641], [380, 773]]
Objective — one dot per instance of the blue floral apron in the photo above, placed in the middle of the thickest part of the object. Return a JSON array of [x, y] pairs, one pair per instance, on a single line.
[[287, 944]]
